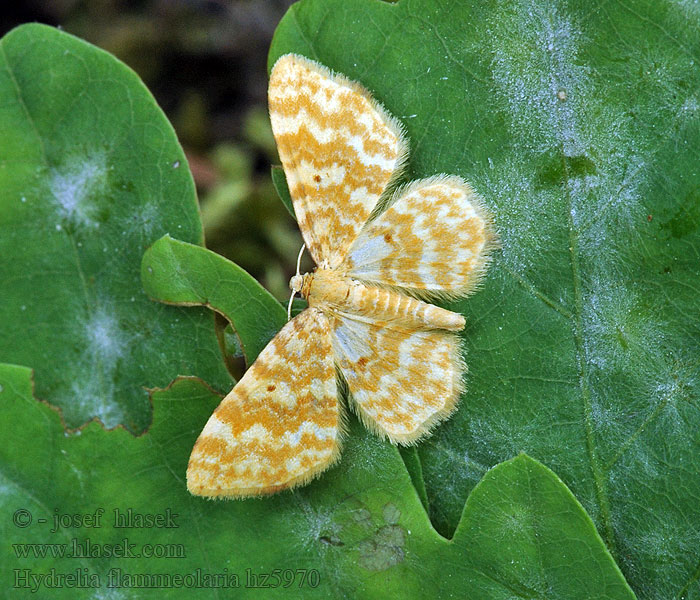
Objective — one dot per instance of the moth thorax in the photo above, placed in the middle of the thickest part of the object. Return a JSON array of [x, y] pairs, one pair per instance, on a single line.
[[327, 288]]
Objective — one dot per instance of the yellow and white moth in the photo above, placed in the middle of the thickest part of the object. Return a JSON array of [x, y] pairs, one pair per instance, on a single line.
[[379, 255]]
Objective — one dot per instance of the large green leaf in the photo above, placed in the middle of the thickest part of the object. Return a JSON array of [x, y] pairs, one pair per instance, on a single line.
[[523, 535], [579, 123], [90, 174], [179, 273]]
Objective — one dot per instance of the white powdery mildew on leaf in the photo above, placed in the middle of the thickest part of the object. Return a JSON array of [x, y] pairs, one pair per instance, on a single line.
[[499, 439], [105, 339], [535, 61], [556, 115], [664, 544], [95, 397], [7, 490], [145, 219], [555, 110], [317, 529], [609, 197], [619, 333], [559, 113], [530, 221], [107, 594], [137, 225], [658, 535], [655, 458], [687, 9], [675, 386], [312, 524], [634, 122], [635, 371], [690, 107], [556, 106], [74, 186], [95, 385], [458, 471]]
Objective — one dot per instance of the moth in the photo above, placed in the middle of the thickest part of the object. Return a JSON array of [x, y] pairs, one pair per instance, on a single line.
[[381, 251]]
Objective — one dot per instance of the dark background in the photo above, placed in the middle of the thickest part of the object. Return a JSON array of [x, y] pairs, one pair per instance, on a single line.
[[205, 61]]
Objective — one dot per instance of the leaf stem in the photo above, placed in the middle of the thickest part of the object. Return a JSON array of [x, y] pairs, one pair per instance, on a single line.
[[598, 475]]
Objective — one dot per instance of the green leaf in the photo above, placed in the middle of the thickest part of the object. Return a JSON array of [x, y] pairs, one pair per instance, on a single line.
[[412, 461], [90, 175], [522, 534], [579, 123], [176, 272], [280, 183]]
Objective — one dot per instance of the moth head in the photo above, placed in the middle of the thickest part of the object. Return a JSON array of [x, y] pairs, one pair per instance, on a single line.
[[301, 284], [295, 283]]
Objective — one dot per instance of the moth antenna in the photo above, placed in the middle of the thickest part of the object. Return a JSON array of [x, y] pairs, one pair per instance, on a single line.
[[301, 253], [289, 306], [291, 298]]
